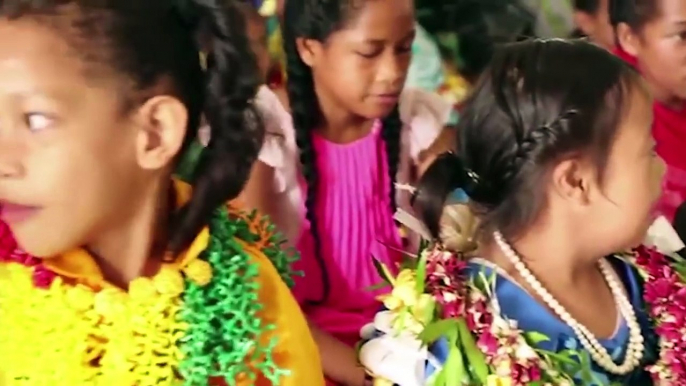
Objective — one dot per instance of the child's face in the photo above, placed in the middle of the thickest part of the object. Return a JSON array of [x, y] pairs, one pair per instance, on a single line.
[[660, 48], [362, 68], [67, 153], [625, 202], [597, 26]]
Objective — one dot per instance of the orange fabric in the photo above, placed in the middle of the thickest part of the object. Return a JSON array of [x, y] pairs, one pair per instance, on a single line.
[[295, 350]]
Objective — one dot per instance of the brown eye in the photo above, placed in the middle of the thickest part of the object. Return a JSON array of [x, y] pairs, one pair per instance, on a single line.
[[38, 121]]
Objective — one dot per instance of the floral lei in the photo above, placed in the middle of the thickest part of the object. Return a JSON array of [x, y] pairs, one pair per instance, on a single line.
[[433, 299], [189, 325], [665, 293]]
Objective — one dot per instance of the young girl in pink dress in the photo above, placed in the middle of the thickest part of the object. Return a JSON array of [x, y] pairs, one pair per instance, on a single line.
[[328, 176]]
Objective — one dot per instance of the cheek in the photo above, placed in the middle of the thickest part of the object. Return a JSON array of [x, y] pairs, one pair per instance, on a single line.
[[77, 185], [666, 62], [350, 75]]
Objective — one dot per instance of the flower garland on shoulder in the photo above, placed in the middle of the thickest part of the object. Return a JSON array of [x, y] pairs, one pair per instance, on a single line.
[[434, 299], [195, 322], [665, 295]]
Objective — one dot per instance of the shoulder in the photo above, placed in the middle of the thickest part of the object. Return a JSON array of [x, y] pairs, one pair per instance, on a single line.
[[272, 110], [262, 241], [424, 115], [279, 140], [295, 348]]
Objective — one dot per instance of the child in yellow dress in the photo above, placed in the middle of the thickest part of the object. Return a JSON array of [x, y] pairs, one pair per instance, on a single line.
[[121, 275]]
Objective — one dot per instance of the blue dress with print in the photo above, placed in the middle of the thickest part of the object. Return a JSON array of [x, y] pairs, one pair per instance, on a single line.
[[517, 304]]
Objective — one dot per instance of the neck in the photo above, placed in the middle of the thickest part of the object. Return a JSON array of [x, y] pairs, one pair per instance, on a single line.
[[550, 256], [666, 98], [123, 251], [338, 124]]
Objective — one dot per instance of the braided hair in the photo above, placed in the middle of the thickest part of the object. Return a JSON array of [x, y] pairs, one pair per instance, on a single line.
[[155, 45], [528, 111], [318, 19]]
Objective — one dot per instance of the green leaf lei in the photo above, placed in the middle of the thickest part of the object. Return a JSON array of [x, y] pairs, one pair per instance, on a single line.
[[224, 327]]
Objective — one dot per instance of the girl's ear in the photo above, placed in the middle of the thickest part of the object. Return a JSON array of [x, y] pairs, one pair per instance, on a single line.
[[308, 49], [161, 124], [572, 180], [628, 39]]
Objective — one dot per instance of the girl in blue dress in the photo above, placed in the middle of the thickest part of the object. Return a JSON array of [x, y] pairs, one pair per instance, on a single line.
[[558, 164]]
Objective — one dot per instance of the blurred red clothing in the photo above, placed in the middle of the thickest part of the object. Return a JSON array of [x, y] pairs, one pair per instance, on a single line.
[[669, 131]]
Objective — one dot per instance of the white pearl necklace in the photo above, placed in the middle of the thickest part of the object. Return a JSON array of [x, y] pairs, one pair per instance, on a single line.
[[598, 353]]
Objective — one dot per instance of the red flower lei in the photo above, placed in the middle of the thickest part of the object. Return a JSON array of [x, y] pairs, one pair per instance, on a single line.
[[665, 295]]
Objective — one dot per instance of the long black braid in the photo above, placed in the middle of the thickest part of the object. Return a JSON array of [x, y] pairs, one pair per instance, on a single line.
[[317, 19]]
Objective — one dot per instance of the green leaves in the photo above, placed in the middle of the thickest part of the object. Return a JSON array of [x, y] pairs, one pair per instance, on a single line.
[[421, 273], [434, 331], [533, 338], [475, 358], [466, 364]]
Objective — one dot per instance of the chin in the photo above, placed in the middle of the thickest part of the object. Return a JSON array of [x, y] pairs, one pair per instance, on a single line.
[[40, 247], [379, 112]]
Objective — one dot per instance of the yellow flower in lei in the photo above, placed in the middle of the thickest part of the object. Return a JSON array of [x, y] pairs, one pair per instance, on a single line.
[[494, 380], [73, 334], [411, 309], [227, 318]]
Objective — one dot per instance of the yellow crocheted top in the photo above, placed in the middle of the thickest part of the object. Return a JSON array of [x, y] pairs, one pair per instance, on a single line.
[[84, 331]]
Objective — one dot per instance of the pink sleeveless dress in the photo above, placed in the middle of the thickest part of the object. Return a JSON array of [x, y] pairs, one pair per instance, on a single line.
[[355, 225], [354, 217]]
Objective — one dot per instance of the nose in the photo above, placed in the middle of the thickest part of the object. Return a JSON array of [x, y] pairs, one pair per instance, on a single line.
[[10, 158], [393, 68]]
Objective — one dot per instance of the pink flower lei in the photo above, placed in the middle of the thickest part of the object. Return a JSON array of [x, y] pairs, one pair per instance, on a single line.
[[505, 350], [665, 294], [11, 253]]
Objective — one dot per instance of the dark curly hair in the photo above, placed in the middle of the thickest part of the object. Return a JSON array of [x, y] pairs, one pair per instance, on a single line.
[[155, 45], [318, 19], [528, 111], [635, 13]]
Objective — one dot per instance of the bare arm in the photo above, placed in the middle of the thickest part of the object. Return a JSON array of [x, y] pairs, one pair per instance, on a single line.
[[339, 360]]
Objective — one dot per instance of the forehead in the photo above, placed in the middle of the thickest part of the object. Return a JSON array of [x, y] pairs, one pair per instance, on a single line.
[[381, 19], [32, 56], [636, 122], [671, 12]]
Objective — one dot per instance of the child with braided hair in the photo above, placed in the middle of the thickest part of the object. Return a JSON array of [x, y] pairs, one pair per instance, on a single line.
[[558, 165], [329, 179]]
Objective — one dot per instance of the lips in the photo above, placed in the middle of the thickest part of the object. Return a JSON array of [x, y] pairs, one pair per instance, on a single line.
[[12, 213], [387, 98]]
